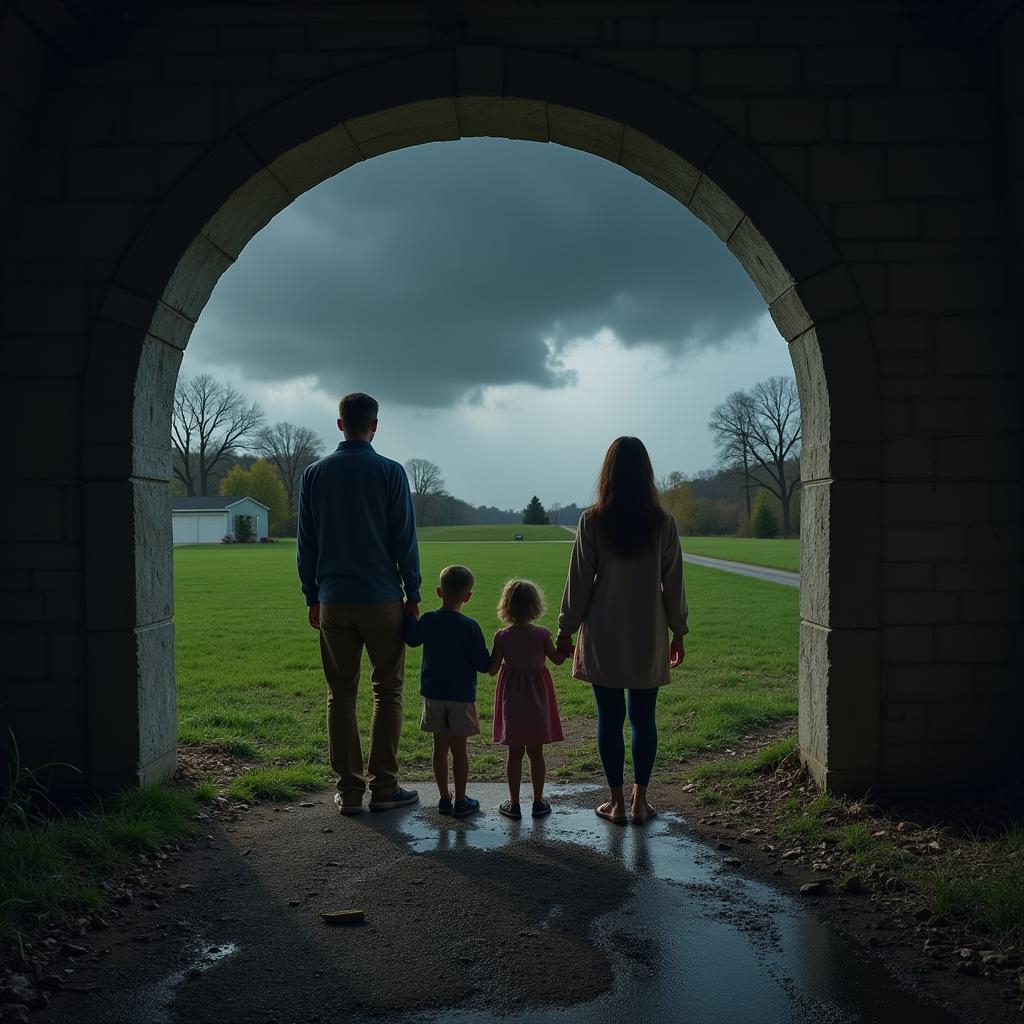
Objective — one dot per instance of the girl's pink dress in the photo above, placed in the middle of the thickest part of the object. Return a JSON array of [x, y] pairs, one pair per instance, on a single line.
[[525, 709]]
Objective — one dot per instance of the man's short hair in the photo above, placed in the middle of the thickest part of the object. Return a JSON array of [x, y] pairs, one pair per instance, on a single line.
[[456, 580], [358, 411]]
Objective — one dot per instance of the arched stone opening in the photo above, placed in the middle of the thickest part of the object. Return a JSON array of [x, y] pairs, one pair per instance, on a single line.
[[196, 233]]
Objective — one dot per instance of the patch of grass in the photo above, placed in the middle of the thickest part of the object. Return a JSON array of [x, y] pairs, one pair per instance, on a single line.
[[808, 825], [988, 887], [774, 552], [764, 761], [284, 783], [249, 678], [205, 792], [499, 533], [52, 864]]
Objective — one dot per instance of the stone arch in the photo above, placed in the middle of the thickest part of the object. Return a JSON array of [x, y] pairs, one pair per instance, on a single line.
[[199, 229]]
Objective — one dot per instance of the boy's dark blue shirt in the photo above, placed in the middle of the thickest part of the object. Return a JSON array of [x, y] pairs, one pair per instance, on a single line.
[[454, 650]]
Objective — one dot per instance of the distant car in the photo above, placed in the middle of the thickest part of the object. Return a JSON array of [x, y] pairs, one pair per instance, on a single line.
[[519, 536]]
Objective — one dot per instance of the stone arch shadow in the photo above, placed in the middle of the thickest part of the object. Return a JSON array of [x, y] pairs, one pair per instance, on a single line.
[[236, 188]]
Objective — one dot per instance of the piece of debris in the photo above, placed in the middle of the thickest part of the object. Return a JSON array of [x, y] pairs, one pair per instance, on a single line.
[[334, 917], [812, 888]]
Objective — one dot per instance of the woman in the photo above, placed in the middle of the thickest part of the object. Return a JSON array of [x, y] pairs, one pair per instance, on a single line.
[[623, 594]]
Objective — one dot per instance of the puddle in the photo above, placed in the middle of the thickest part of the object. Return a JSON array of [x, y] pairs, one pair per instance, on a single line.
[[695, 942], [154, 1001]]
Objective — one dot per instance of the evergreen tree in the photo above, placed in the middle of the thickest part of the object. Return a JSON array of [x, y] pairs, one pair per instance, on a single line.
[[534, 514], [765, 522]]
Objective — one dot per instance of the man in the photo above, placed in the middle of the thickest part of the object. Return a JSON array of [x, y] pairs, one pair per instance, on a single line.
[[357, 550]]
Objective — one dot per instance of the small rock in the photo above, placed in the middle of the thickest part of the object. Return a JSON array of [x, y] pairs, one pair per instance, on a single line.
[[966, 967], [326, 830], [792, 854], [923, 914], [123, 898], [723, 846], [733, 862], [812, 888], [151, 905], [185, 887], [993, 959], [70, 949], [965, 953], [307, 803]]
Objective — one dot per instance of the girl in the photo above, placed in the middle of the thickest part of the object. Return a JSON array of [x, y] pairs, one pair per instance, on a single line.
[[525, 709]]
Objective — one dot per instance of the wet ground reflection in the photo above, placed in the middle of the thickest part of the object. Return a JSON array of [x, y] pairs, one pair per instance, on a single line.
[[696, 942]]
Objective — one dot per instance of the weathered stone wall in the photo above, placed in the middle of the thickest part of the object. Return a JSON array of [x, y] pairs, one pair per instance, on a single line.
[[862, 160]]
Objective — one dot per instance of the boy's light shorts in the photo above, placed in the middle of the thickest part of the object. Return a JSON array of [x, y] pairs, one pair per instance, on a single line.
[[455, 717]]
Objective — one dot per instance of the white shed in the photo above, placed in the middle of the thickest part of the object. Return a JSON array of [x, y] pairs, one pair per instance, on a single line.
[[209, 520]]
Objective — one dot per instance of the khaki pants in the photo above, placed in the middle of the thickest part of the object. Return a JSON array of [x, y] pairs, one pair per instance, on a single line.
[[344, 630]]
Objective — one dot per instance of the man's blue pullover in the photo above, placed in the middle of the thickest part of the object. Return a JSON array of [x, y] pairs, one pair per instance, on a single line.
[[356, 538]]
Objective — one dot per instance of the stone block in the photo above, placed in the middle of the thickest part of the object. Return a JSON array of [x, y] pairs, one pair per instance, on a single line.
[[729, 110], [924, 543], [995, 542], [960, 218], [907, 576], [985, 458], [855, 68], [26, 60], [31, 512], [760, 261], [215, 67], [950, 171], [790, 162], [131, 711], [79, 231], [900, 335], [588, 132], [749, 70], [845, 173], [672, 68], [840, 722], [409, 125], [44, 309], [839, 582], [660, 166], [816, 300], [976, 345], [878, 220], [915, 684], [931, 502], [895, 416], [172, 113], [268, 38], [248, 209], [903, 117], [872, 283], [128, 555], [113, 173], [975, 575], [974, 643], [194, 277], [480, 70], [299, 66], [1005, 501], [322, 157], [946, 287], [782, 119], [990, 608], [715, 208], [50, 456], [495, 117], [700, 27], [907, 644], [921, 608]]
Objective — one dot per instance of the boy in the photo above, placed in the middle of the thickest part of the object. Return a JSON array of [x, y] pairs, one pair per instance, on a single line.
[[454, 651]]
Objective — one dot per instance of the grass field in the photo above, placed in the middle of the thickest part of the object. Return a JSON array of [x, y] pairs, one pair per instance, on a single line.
[[493, 533], [776, 553], [249, 677]]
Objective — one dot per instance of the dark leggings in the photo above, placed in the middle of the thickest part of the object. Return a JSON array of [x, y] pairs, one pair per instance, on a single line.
[[611, 716]]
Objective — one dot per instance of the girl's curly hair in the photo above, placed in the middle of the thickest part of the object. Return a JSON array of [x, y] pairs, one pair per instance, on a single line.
[[521, 601]]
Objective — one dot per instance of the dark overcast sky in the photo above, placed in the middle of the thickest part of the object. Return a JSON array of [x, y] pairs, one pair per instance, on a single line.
[[504, 301]]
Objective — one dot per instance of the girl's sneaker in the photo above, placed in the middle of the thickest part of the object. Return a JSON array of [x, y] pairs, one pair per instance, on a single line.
[[464, 808], [444, 805], [511, 810], [541, 808]]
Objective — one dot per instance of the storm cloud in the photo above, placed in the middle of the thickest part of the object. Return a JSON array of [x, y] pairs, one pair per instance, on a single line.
[[428, 275]]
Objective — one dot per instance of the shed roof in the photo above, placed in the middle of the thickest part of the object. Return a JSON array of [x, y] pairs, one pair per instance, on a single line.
[[209, 503]]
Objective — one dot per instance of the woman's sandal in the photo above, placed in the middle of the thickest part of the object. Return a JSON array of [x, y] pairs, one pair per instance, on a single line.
[[615, 819], [511, 810]]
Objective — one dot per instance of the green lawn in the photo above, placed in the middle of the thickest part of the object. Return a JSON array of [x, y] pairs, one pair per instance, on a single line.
[[493, 533], [249, 677], [776, 553]]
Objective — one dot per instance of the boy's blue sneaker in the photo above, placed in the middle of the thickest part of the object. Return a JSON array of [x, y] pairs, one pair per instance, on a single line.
[[399, 798], [444, 805], [464, 808]]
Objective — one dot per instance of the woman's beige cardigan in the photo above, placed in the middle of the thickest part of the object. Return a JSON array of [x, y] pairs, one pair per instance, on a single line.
[[623, 608]]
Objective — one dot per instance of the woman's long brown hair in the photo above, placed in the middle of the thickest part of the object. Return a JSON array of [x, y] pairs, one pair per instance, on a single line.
[[627, 509]]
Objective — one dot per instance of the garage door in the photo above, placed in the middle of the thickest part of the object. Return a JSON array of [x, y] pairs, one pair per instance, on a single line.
[[198, 527]]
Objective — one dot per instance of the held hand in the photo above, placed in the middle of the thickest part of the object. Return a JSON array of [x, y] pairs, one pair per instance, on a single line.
[[676, 652], [314, 616], [564, 646], [412, 609]]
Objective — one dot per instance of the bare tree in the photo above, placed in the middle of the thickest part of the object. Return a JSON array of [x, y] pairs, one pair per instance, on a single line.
[[291, 449], [730, 426], [758, 433], [427, 485], [210, 421]]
